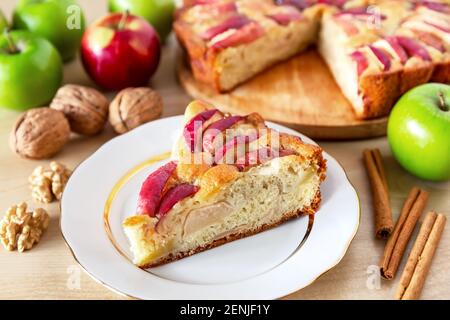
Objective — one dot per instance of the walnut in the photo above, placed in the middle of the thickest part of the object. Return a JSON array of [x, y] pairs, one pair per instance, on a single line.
[[59, 178], [39, 133], [21, 229], [85, 108], [47, 185], [133, 107], [41, 186]]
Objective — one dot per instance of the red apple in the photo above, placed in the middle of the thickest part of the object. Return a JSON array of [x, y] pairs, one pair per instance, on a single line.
[[152, 189], [175, 195], [120, 51]]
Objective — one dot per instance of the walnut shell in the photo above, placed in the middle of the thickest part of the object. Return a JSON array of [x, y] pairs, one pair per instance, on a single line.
[[39, 133], [85, 108], [133, 107]]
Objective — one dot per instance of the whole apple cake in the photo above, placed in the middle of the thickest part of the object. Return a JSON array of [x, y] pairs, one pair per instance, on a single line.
[[229, 177], [375, 49]]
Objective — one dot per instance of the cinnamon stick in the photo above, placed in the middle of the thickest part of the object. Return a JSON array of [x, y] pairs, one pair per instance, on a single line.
[[395, 246], [380, 193], [419, 261]]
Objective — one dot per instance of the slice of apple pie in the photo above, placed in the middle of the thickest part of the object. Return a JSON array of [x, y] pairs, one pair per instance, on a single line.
[[229, 177]]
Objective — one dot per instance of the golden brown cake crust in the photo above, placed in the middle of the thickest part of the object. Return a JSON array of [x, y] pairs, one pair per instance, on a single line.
[[381, 90], [441, 73], [236, 236]]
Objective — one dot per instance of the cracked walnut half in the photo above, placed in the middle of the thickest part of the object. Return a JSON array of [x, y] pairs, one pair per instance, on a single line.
[[20, 229], [48, 184]]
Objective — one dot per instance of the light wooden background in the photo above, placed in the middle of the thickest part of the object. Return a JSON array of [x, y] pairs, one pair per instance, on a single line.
[[50, 272]]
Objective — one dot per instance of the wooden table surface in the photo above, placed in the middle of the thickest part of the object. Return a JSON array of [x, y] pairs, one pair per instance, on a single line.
[[50, 272]]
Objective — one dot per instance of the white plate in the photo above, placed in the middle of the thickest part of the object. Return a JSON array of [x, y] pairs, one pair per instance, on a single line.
[[268, 265]]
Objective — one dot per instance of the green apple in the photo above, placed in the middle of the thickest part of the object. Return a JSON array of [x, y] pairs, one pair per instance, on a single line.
[[3, 22], [59, 21], [419, 131], [159, 13], [30, 70]]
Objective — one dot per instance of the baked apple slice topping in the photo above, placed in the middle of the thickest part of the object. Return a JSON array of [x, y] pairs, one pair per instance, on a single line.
[[438, 26], [413, 48], [192, 130], [215, 129], [349, 28], [215, 6], [222, 7], [361, 61], [381, 56], [230, 151], [235, 22], [430, 39], [175, 195], [361, 13], [336, 3], [435, 6], [400, 53], [152, 189], [167, 186], [248, 33], [299, 4], [260, 156], [210, 12], [285, 18], [255, 157]]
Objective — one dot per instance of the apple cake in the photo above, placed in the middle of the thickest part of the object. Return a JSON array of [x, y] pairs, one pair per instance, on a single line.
[[229, 177], [375, 49]]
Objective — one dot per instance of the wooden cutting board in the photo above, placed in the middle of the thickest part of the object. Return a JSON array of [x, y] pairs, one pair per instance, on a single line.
[[300, 93]]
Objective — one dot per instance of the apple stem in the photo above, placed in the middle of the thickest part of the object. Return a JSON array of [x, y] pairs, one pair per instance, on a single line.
[[442, 105], [124, 19], [12, 46]]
